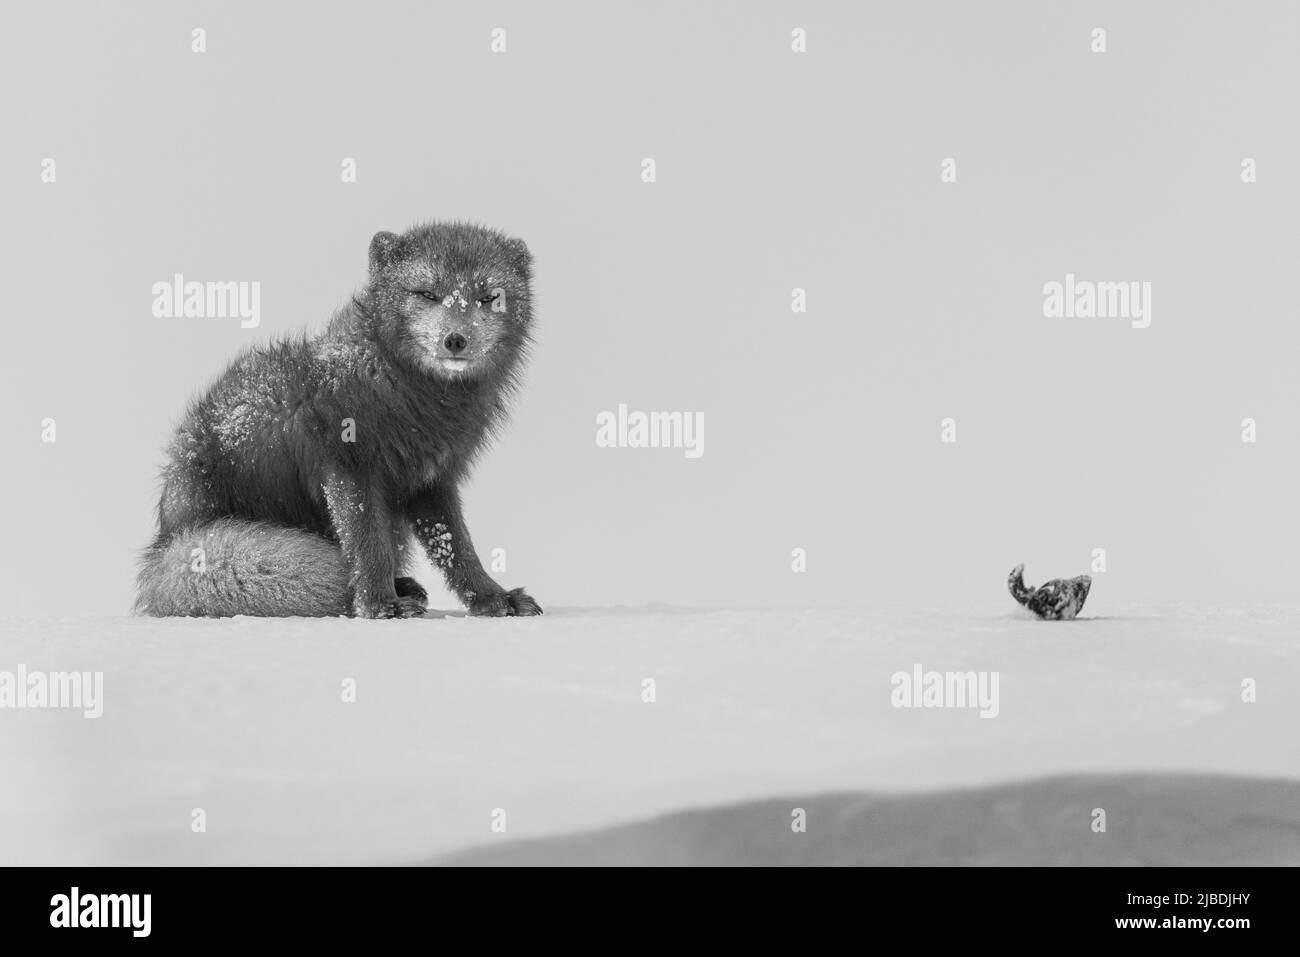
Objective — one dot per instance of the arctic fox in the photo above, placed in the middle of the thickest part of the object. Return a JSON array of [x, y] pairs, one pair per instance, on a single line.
[[295, 483]]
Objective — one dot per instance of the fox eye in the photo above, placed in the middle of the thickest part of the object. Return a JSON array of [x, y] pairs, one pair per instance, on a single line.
[[429, 295], [489, 298]]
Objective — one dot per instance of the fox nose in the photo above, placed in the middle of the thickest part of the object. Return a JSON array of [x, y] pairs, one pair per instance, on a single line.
[[455, 343]]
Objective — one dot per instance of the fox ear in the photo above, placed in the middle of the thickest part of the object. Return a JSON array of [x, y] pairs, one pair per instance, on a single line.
[[382, 248], [520, 258]]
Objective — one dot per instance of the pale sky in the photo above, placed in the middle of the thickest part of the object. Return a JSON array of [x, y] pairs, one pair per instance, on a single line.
[[775, 171]]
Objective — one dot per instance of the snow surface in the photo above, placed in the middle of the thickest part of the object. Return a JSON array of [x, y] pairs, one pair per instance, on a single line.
[[544, 718]]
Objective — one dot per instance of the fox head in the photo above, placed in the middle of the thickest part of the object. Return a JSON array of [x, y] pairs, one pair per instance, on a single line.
[[455, 299]]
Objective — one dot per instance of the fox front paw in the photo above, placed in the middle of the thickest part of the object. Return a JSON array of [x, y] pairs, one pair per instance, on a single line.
[[402, 606], [513, 603]]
